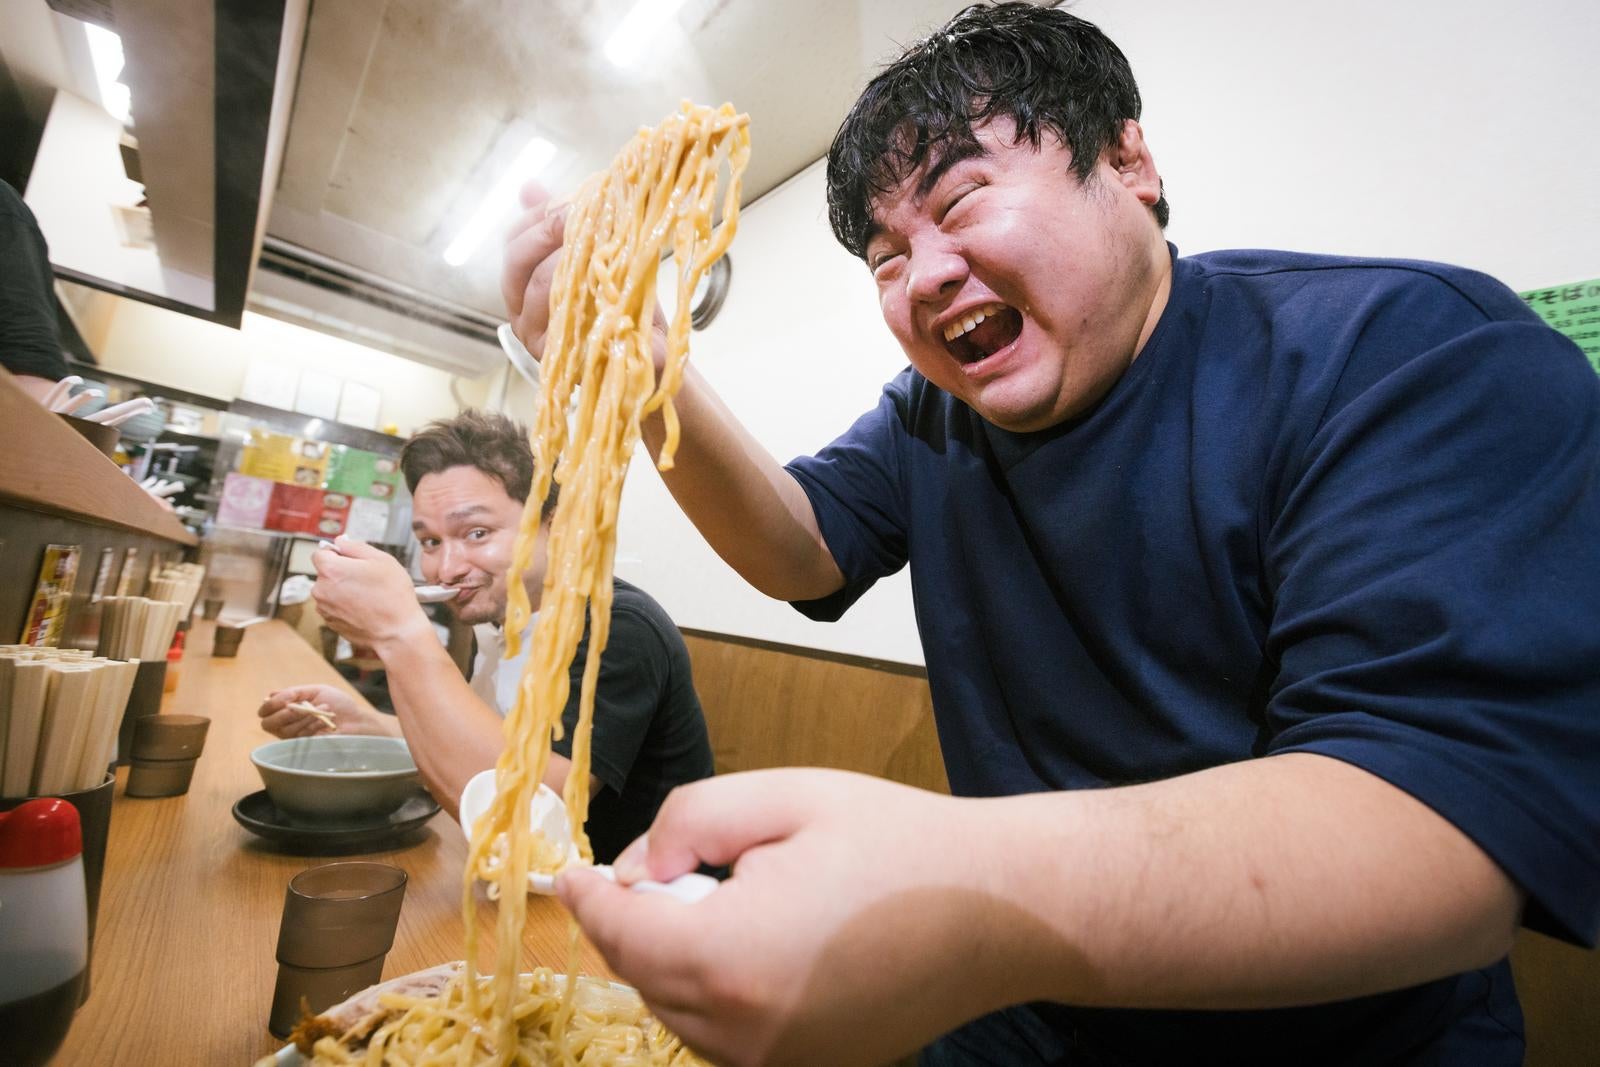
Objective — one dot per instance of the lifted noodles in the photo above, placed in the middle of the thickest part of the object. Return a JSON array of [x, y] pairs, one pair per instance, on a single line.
[[662, 187]]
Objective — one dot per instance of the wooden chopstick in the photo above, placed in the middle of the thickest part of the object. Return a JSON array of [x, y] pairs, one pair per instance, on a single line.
[[72, 692], [116, 683], [312, 709], [30, 683]]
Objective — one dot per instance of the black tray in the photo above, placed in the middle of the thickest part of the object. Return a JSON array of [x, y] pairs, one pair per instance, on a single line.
[[258, 814]]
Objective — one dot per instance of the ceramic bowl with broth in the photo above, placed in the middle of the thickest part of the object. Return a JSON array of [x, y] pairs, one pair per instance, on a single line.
[[332, 778]]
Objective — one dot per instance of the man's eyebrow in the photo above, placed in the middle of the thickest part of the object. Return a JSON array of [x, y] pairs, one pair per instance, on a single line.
[[957, 153], [458, 515], [937, 169]]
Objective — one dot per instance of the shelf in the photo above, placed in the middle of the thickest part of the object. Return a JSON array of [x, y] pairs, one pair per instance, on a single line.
[[49, 467]]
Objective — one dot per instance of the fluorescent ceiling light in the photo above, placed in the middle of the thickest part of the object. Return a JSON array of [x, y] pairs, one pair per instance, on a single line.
[[638, 28], [105, 52], [501, 197]]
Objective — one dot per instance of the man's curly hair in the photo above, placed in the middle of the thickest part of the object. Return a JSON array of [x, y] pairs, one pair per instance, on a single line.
[[493, 443]]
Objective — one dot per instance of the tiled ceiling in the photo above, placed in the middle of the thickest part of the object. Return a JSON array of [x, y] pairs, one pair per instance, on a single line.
[[405, 110]]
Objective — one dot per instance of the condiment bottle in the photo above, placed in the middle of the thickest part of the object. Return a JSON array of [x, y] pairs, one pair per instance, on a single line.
[[174, 658], [44, 928]]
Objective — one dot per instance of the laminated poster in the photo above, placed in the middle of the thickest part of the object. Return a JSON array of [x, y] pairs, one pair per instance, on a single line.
[[102, 574], [369, 520], [362, 473], [47, 614], [130, 560], [1574, 310]]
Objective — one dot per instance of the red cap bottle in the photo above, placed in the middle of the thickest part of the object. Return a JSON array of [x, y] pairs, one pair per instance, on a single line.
[[44, 928]]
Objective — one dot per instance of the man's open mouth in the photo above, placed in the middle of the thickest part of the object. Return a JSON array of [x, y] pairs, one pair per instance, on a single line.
[[982, 332]]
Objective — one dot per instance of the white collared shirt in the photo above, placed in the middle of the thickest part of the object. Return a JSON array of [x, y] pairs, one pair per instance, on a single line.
[[495, 678]]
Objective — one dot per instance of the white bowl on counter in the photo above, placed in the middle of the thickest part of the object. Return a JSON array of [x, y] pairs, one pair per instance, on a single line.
[[331, 777]]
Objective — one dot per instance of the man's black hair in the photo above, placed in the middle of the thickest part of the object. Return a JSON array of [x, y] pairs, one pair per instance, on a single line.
[[493, 443], [1040, 67]]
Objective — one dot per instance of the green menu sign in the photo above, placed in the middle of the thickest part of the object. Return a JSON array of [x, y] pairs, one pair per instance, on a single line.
[[1574, 309]]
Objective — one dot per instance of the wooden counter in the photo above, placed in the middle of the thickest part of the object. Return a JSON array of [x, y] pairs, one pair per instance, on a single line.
[[189, 908], [50, 468]]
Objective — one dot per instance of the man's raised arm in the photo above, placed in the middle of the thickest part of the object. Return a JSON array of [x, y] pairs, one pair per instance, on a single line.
[[748, 508]]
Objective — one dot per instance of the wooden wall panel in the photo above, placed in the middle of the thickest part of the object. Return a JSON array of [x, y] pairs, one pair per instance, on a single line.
[[773, 707], [1559, 986]]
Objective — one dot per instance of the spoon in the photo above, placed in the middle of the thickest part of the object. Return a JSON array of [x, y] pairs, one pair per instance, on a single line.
[[426, 594], [548, 815], [117, 414], [58, 392], [518, 354]]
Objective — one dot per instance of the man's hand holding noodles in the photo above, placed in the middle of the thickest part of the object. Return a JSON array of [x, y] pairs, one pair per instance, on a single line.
[[840, 878]]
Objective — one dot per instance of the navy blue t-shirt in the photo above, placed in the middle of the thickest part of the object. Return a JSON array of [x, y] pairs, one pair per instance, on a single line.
[[1341, 506]]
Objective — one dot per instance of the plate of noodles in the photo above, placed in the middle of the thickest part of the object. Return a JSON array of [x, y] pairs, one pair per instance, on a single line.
[[606, 1025]]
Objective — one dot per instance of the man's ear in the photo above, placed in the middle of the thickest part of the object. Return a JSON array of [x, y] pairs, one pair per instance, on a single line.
[[1135, 167]]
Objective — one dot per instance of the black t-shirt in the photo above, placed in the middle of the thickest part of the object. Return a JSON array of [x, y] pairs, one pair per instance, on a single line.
[[29, 342], [649, 732]]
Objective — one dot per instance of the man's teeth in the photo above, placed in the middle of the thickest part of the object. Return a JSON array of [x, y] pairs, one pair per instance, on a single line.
[[969, 321]]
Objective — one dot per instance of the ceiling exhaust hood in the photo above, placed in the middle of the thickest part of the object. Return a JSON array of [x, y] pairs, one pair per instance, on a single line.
[[300, 286], [173, 210]]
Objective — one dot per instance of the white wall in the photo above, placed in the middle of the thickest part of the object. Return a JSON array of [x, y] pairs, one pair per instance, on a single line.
[[1465, 131], [798, 351], [1461, 131]]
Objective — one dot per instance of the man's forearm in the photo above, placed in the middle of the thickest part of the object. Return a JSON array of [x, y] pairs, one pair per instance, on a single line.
[[452, 733], [749, 509], [1289, 880]]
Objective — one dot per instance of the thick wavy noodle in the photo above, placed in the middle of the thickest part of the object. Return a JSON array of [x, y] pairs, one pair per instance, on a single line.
[[601, 1025], [597, 383]]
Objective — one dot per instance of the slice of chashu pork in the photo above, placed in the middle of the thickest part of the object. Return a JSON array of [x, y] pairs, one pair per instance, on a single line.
[[361, 1014]]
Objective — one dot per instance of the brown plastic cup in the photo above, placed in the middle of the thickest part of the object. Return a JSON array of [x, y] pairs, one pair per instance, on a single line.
[[159, 777], [169, 737], [211, 607], [316, 988], [226, 641], [339, 917]]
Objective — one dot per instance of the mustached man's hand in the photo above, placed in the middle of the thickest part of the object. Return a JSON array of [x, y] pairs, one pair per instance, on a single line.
[[349, 715], [366, 596]]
